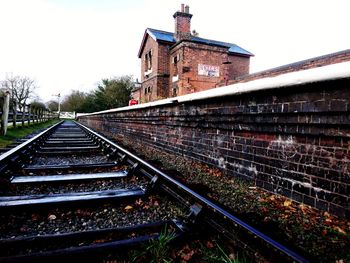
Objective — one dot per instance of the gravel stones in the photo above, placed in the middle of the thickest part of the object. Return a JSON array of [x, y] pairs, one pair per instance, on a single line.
[[51, 217], [87, 186], [63, 220], [63, 160]]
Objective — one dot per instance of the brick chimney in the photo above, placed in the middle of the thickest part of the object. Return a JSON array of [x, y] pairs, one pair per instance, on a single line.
[[183, 23]]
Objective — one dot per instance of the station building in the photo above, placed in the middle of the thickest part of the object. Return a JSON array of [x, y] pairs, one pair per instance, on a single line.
[[174, 64]]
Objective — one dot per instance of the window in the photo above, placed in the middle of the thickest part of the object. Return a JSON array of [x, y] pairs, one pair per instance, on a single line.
[[176, 59], [174, 90], [148, 60], [148, 90]]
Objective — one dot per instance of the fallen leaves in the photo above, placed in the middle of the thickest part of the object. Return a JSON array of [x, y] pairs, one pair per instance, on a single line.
[[147, 204], [85, 212], [186, 253], [324, 232], [337, 228], [128, 208], [139, 202], [209, 244], [272, 197], [287, 203], [35, 217], [52, 217], [294, 222], [304, 208]]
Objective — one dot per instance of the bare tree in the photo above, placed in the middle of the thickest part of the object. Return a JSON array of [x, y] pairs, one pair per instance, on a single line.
[[21, 89]]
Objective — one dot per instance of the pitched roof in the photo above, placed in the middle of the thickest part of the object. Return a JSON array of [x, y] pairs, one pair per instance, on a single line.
[[164, 36]]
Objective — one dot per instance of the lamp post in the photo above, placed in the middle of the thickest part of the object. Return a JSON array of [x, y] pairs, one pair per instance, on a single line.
[[59, 103]]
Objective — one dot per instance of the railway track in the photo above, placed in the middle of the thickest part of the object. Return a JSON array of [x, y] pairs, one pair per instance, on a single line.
[[69, 192]]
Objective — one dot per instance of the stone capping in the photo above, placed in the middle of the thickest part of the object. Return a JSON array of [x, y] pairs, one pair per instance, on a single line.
[[325, 73]]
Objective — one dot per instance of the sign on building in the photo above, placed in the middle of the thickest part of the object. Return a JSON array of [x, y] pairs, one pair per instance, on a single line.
[[208, 70]]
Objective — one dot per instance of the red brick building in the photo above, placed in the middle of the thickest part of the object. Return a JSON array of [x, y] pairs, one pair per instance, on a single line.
[[179, 63]]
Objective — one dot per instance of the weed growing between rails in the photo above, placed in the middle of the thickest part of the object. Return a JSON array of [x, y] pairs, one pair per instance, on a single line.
[[157, 250], [209, 248]]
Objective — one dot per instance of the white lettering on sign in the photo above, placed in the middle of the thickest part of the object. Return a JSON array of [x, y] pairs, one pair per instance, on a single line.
[[208, 70]]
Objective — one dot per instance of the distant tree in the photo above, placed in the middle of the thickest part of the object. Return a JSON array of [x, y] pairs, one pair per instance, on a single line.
[[21, 89], [38, 105], [52, 105], [73, 101], [37, 110], [110, 93], [115, 92]]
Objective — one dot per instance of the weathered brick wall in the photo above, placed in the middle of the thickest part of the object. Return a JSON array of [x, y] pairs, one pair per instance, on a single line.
[[192, 54], [293, 141], [182, 25], [150, 44], [315, 62], [163, 59], [158, 79], [239, 66]]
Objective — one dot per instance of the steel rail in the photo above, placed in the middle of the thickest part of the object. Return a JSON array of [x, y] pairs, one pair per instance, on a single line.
[[39, 254], [215, 208], [7, 155]]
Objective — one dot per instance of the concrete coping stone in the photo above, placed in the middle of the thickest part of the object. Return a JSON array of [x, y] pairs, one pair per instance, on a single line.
[[320, 74]]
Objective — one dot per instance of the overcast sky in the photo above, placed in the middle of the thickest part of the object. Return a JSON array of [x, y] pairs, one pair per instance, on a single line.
[[73, 44]]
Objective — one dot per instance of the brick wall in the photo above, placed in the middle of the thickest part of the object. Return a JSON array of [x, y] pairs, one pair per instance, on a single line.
[[315, 62], [239, 66], [182, 25], [192, 54], [293, 141], [158, 79], [163, 59], [150, 44]]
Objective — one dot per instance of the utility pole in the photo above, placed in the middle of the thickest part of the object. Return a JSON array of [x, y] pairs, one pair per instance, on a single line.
[[59, 103]]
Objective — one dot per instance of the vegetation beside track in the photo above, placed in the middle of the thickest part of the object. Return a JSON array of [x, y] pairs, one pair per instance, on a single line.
[[23, 131], [209, 248], [316, 234]]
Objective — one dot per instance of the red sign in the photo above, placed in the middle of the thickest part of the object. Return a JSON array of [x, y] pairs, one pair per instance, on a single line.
[[133, 102]]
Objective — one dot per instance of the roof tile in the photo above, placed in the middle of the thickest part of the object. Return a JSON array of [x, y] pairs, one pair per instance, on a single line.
[[160, 35]]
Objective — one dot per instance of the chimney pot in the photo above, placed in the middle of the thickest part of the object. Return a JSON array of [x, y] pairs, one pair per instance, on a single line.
[[187, 9], [182, 7]]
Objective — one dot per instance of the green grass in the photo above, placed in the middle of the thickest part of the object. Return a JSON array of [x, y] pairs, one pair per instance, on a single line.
[[157, 250], [217, 254], [21, 132]]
